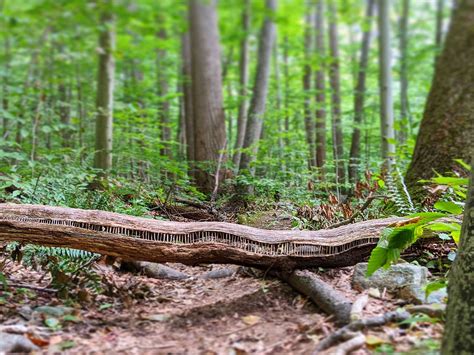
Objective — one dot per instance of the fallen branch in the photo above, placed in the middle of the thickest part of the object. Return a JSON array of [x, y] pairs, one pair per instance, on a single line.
[[347, 332], [352, 344], [321, 293]]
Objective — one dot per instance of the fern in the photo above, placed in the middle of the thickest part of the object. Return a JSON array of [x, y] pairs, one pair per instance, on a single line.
[[398, 191]]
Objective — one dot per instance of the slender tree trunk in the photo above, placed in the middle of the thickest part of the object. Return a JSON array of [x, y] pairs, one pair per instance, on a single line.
[[105, 94], [359, 94], [64, 113], [5, 84], [334, 76], [209, 120], [447, 129], [257, 105], [243, 82], [459, 326], [188, 97], [163, 104], [439, 26], [385, 83], [308, 117], [320, 85], [278, 99], [286, 76], [405, 117]]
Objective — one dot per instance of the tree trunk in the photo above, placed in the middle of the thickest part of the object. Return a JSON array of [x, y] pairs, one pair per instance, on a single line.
[[163, 103], [320, 85], [459, 326], [257, 105], [209, 121], [243, 82], [286, 76], [359, 95], [334, 79], [64, 112], [105, 94], [405, 117], [5, 91], [188, 96], [308, 117], [385, 84], [439, 26], [447, 128]]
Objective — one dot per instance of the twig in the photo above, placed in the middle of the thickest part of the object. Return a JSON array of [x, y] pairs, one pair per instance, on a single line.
[[34, 288], [347, 331], [350, 345], [358, 306], [366, 204]]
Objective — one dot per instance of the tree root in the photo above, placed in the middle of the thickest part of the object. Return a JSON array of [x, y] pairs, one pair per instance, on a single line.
[[347, 332]]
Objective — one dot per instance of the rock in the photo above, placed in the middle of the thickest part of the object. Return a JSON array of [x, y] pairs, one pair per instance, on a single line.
[[160, 271], [14, 343], [57, 311], [438, 296], [403, 280]]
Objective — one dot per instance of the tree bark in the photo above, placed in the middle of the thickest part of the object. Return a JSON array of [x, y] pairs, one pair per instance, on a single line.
[[188, 96], [334, 80], [308, 117], [385, 84], [459, 326], [208, 112], [5, 84], [257, 105], [320, 86], [243, 82], [405, 117], [447, 129], [359, 95], [163, 103], [439, 26], [105, 94]]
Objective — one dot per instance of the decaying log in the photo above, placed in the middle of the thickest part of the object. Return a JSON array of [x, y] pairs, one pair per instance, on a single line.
[[135, 238]]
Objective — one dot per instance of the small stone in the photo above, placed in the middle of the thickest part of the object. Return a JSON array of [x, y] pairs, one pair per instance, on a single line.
[[14, 343], [57, 311], [374, 292], [403, 280]]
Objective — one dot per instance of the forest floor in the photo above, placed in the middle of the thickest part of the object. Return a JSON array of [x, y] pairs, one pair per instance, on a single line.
[[240, 314]]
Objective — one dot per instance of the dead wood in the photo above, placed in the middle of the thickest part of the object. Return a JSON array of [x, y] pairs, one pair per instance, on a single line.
[[134, 238], [347, 332], [156, 270], [321, 293]]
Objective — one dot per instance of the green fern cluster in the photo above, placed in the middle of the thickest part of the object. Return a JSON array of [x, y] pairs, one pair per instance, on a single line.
[[398, 191]]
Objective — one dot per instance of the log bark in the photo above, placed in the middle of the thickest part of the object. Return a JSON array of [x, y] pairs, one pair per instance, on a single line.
[[135, 238]]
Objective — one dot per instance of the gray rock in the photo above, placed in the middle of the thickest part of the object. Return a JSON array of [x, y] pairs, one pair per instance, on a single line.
[[438, 296], [14, 343], [56, 311], [403, 280]]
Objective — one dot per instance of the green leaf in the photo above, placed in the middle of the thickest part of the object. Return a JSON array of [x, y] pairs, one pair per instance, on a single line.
[[378, 258], [52, 323], [435, 286], [401, 238], [463, 164], [448, 206], [444, 227], [456, 235]]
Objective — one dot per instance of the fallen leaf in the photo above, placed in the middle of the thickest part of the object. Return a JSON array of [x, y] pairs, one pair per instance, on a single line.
[[373, 340], [251, 319]]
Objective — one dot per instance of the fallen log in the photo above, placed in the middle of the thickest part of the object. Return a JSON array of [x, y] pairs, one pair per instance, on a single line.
[[136, 238]]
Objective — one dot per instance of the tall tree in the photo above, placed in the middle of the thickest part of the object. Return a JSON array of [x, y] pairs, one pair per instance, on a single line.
[[188, 95], [208, 112], [320, 85], [359, 94], [405, 116], [257, 105], [439, 24], [334, 80], [243, 82], [164, 102], [447, 130], [105, 91], [308, 117], [385, 83], [459, 326]]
